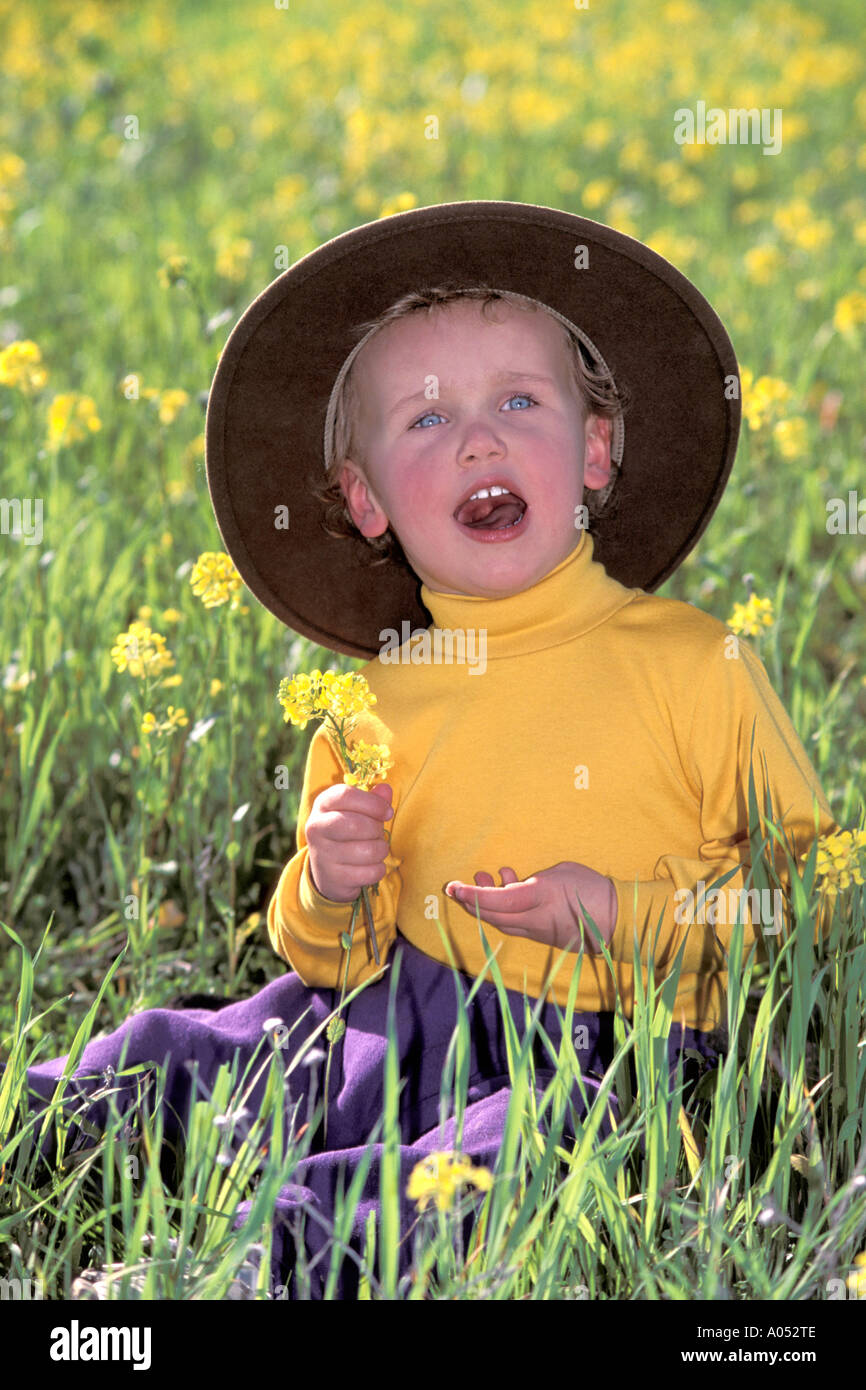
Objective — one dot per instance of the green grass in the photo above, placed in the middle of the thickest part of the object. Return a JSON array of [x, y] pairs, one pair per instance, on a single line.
[[752, 1192]]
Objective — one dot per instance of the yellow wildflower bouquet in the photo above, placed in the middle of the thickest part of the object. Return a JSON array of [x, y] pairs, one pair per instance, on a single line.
[[337, 699]]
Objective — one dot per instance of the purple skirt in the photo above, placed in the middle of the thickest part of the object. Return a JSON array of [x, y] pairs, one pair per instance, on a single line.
[[192, 1043]]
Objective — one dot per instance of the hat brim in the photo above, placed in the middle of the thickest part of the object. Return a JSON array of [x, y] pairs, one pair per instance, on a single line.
[[268, 400]]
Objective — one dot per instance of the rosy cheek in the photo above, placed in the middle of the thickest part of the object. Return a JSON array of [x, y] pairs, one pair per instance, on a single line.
[[417, 495]]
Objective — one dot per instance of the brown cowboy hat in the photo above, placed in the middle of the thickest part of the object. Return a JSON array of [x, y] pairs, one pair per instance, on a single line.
[[269, 401]]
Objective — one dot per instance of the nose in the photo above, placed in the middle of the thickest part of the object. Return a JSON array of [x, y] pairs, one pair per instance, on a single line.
[[480, 442]]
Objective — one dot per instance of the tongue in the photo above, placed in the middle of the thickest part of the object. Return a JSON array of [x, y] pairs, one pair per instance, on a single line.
[[489, 513]]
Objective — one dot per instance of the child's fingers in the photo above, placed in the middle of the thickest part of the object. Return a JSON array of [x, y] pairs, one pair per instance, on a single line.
[[508, 900], [485, 880], [372, 805], [347, 826], [358, 852]]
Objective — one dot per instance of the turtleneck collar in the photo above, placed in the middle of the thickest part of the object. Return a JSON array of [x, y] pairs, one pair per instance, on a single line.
[[570, 600]]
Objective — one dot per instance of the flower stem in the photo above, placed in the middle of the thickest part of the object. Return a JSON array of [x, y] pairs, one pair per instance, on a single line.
[[334, 1031], [346, 759], [373, 942]]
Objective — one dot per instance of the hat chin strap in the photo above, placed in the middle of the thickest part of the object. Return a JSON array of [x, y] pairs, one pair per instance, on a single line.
[[617, 442]]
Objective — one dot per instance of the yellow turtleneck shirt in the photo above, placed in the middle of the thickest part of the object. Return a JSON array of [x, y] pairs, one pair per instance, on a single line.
[[604, 726]]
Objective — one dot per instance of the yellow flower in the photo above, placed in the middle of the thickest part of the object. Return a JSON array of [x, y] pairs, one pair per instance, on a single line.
[[798, 224], [215, 687], [70, 416], [814, 235], [440, 1175], [403, 202], [790, 436], [762, 262], [748, 618], [171, 615], [597, 191], [171, 403], [141, 651], [839, 863], [168, 404], [234, 258], [791, 217], [342, 695], [176, 719], [11, 169], [856, 1280], [850, 311], [21, 366], [762, 398], [173, 271], [339, 697], [215, 580], [370, 761], [289, 189]]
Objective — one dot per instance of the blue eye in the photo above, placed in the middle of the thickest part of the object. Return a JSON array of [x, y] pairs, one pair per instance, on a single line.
[[518, 395], [425, 417]]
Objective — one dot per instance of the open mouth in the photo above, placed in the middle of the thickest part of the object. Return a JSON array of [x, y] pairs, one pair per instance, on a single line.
[[499, 510]]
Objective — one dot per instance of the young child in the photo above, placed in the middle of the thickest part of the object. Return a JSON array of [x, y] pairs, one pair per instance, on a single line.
[[526, 421]]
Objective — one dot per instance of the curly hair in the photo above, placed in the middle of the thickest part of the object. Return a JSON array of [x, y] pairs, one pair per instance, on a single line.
[[596, 389]]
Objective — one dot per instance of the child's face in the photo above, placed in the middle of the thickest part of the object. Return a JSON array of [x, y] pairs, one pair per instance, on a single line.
[[494, 421]]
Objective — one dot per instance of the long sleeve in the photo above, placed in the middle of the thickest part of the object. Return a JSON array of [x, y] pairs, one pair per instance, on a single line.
[[303, 926], [734, 702]]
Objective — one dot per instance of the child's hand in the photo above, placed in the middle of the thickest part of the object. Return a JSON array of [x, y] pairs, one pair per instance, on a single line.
[[544, 906], [346, 842]]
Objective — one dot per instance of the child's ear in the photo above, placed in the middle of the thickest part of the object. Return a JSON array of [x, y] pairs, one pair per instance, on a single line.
[[596, 454], [361, 501]]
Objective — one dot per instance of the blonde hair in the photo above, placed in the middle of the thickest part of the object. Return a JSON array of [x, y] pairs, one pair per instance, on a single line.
[[596, 390]]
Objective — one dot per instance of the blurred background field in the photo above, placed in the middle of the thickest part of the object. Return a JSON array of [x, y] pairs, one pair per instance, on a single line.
[[159, 165]]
